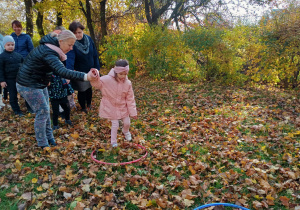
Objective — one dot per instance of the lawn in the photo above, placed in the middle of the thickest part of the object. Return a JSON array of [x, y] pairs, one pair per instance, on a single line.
[[206, 144]]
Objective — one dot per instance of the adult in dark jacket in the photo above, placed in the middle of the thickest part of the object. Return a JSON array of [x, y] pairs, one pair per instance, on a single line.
[[23, 42], [82, 58], [35, 75], [10, 63]]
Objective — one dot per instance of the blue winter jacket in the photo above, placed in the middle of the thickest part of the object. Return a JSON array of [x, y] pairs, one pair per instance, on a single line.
[[83, 62], [23, 44]]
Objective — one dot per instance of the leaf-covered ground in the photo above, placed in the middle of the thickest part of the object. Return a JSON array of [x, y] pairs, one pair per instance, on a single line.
[[205, 144]]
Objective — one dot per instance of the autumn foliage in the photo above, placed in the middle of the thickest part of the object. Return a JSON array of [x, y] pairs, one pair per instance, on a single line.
[[205, 144]]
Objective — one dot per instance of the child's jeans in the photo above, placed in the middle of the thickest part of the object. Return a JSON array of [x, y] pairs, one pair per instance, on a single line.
[[115, 127]]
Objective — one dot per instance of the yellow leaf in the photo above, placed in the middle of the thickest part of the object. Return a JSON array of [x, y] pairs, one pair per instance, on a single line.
[[18, 165], [34, 180], [39, 205], [149, 203], [254, 181], [75, 135], [257, 197], [192, 170], [167, 111], [101, 150], [269, 197], [39, 188]]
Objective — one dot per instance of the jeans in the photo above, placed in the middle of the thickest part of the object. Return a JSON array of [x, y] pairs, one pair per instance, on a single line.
[[38, 100]]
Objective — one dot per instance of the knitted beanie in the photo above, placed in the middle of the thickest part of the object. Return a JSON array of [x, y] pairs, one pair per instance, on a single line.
[[8, 39]]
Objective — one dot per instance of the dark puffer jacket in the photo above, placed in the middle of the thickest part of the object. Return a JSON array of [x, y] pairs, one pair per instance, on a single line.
[[10, 63], [41, 63]]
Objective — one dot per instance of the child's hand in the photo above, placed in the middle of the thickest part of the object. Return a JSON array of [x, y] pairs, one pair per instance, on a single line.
[[3, 84], [95, 72], [134, 117], [92, 76]]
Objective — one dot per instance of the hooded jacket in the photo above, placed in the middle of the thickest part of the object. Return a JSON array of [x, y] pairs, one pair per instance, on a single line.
[[117, 97], [41, 63], [23, 44]]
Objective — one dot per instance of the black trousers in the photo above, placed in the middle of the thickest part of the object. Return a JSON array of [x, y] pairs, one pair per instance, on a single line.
[[85, 98], [13, 96], [64, 103]]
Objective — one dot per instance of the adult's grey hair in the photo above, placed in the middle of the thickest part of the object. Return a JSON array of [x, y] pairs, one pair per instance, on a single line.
[[64, 35], [60, 28]]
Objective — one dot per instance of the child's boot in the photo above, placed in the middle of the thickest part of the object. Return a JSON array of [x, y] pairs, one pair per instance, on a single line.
[[1, 101], [128, 136]]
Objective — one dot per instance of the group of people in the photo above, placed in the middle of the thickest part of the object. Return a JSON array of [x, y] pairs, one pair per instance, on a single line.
[[45, 72]]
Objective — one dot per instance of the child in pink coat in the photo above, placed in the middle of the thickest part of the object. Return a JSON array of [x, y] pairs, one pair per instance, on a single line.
[[117, 101]]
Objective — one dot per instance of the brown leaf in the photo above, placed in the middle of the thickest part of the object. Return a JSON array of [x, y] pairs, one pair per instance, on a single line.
[[257, 204], [187, 194], [27, 196], [284, 200], [10, 195], [79, 206], [162, 203]]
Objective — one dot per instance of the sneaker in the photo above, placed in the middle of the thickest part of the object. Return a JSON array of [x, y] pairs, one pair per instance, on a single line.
[[128, 136], [55, 127], [115, 145], [84, 110], [69, 122], [52, 142]]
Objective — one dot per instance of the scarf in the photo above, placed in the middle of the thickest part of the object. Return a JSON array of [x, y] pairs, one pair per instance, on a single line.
[[62, 55], [84, 48]]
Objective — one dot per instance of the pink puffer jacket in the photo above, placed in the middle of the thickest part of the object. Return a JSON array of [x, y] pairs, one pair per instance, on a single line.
[[117, 97]]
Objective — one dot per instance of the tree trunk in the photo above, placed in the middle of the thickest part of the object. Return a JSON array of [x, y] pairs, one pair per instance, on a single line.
[[39, 24], [88, 16], [103, 18], [153, 14], [29, 17], [58, 19], [147, 11]]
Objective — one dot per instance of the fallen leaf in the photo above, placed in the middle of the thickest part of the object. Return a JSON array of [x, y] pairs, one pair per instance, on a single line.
[[284, 200], [18, 165]]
